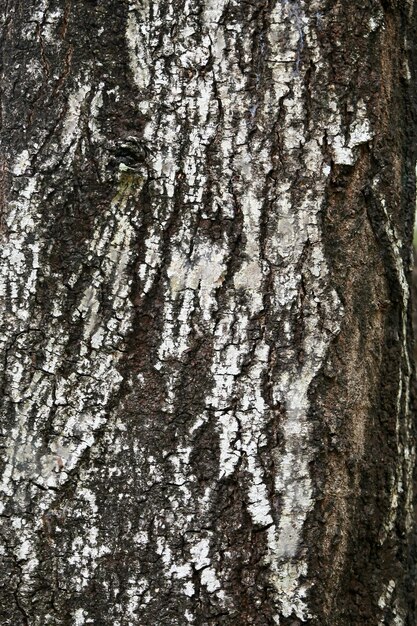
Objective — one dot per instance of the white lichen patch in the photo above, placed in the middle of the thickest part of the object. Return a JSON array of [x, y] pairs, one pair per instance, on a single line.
[[360, 132], [137, 39], [75, 403], [203, 272], [22, 163], [98, 375], [52, 19], [79, 617], [71, 129], [249, 277]]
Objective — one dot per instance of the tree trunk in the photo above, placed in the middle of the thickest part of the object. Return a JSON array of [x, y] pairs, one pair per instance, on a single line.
[[207, 387]]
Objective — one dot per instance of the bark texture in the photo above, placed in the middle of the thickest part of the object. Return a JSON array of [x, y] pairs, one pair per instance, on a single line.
[[206, 392]]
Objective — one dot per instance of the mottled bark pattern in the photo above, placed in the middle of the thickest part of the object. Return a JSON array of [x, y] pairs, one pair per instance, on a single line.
[[206, 407]]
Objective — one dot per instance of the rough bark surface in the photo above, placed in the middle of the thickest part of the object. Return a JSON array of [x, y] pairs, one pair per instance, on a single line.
[[206, 398]]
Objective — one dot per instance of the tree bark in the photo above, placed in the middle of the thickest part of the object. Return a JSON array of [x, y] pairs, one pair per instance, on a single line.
[[207, 385]]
